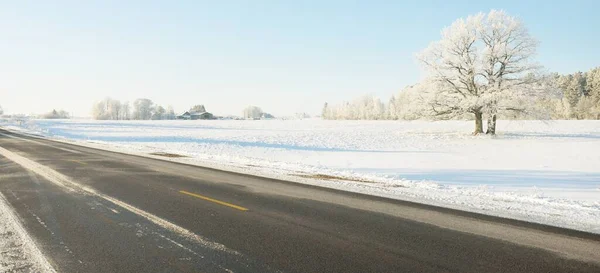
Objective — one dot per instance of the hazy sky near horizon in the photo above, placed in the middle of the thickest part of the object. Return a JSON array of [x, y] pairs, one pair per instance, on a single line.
[[284, 56]]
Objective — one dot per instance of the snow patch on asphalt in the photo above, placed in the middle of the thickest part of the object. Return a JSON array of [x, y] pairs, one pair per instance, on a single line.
[[18, 251]]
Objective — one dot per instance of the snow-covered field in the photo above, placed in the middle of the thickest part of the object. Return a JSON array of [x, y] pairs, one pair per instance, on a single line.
[[546, 172]]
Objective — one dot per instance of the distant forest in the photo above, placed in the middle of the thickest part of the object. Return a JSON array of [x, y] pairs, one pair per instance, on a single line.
[[574, 96], [143, 109]]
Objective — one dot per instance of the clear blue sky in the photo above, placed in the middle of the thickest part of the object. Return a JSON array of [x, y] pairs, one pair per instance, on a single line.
[[285, 56]]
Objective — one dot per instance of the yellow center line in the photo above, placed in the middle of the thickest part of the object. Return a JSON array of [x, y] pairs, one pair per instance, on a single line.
[[214, 201], [80, 162]]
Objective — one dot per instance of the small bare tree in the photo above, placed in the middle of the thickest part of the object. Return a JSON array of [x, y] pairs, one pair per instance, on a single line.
[[482, 65]]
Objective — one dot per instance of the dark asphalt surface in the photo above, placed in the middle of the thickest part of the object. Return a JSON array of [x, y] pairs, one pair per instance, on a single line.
[[284, 229]]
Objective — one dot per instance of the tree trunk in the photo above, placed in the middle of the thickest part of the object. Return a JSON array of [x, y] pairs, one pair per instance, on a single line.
[[491, 125], [478, 123]]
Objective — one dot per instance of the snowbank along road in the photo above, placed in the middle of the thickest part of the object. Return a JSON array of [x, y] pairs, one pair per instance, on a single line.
[[78, 209]]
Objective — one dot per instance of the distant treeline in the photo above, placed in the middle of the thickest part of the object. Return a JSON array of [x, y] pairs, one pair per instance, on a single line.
[[577, 97], [146, 109], [141, 109], [54, 114]]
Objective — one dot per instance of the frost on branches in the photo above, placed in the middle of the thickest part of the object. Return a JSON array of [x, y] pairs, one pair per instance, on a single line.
[[364, 108], [483, 66], [580, 95]]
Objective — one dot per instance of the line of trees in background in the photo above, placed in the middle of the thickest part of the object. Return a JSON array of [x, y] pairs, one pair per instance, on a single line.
[[574, 96], [483, 68], [54, 114], [580, 95], [146, 109], [255, 112], [141, 109]]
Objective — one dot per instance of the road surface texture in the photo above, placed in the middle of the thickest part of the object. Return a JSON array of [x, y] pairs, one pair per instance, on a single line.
[[97, 211]]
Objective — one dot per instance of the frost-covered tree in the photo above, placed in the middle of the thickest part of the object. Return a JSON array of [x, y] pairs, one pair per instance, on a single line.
[[593, 84], [593, 87], [580, 95], [377, 110], [198, 109], [101, 109], [170, 113], [1, 111], [143, 109], [159, 113], [573, 93], [391, 109], [412, 102], [562, 97], [252, 112], [482, 65], [575, 88], [110, 109], [585, 108], [115, 109], [365, 107], [124, 113]]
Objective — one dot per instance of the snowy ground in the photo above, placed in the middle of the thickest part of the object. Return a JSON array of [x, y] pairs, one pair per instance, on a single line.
[[546, 172], [18, 252]]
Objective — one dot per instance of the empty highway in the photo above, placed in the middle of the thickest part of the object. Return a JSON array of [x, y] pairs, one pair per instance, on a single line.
[[91, 210]]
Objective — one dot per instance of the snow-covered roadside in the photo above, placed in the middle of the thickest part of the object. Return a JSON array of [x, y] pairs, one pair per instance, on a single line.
[[545, 173], [18, 252]]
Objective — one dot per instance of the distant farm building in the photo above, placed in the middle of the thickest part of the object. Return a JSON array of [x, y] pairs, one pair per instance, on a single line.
[[195, 116]]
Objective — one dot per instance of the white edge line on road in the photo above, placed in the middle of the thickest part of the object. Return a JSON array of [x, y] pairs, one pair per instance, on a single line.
[[41, 263], [562, 245], [43, 144], [68, 184]]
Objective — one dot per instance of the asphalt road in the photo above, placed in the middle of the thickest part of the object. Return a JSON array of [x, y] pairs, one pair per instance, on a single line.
[[123, 213]]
